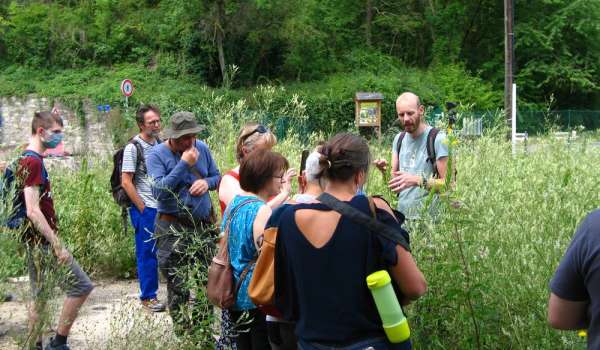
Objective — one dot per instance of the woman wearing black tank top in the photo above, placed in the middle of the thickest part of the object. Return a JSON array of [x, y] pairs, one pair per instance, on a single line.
[[323, 258]]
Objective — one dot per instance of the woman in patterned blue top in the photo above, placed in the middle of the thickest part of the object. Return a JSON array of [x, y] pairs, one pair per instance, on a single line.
[[261, 177]]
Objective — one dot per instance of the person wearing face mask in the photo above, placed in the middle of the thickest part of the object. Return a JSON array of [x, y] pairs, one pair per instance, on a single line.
[[419, 158], [182, 170], [41, 235], [322, 258], [142, 212]]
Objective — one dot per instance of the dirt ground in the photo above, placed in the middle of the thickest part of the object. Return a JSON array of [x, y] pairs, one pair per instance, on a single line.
[[111, 313]]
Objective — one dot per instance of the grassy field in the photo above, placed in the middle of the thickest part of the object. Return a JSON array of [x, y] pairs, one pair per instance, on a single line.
[[488, 260]]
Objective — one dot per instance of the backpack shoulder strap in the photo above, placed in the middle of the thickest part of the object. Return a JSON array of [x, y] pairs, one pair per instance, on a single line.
[[399, 145], [140, 155], [226, 241], [363, 219], [234, 211], [431, 156], [30, 153]]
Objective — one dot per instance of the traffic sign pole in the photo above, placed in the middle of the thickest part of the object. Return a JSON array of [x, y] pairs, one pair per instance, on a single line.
[[127, 90]]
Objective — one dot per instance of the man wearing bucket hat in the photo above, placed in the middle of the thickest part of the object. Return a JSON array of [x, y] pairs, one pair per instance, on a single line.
[[183, 171]]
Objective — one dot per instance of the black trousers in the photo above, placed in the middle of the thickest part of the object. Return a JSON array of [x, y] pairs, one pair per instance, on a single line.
[[174, 242], [282, 336], [250, 333]]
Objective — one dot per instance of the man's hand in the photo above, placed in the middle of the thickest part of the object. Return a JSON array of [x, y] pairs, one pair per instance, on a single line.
[[402, 181], [199, 187], [62, 254], [286, 181], [381, 164], [190, 156]]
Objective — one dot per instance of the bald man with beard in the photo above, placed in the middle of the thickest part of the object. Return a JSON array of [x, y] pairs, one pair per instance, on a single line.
[[413, 173]]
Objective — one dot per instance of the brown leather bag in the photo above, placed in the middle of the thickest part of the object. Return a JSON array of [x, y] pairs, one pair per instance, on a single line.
[[220, 289], [261, 289]]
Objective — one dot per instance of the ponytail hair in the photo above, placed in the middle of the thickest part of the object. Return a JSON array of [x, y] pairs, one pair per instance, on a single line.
[[343, 156]]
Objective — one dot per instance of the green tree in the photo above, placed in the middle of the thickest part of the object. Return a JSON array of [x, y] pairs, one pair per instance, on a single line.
[[557, 51]]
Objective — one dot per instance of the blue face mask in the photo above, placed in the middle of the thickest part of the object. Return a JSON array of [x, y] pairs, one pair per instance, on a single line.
[[54, 140]]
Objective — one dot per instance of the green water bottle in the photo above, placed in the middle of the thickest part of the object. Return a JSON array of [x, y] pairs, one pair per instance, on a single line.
[[395, 324]]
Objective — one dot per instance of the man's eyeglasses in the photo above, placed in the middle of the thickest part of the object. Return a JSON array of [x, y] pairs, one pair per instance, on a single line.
[[281, 178], [154, 123], [259, 129]]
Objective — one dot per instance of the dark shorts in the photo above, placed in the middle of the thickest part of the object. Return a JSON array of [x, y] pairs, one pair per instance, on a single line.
[[45, 272]]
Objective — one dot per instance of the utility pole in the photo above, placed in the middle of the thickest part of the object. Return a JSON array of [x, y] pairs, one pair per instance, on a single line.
[[508, 60], [368, 22]]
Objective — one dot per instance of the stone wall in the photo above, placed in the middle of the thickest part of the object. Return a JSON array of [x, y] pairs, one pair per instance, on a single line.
[[88, 134]]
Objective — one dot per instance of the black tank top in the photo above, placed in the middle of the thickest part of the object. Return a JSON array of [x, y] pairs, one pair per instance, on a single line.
[[324, 289]]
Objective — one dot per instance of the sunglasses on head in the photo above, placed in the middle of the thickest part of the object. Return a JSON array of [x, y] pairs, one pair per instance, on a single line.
[[259, 129]]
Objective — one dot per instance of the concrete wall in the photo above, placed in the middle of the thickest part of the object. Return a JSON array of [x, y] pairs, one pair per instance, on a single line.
[[93, 138]]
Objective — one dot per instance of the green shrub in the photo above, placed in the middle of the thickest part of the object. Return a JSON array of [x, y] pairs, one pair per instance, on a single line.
[[329, 104], [90, 221], [488, 262]]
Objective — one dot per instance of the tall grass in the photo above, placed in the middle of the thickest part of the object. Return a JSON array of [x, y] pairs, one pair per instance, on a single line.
[[488, 261]]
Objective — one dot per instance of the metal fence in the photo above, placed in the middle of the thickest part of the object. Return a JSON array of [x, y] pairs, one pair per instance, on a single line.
[[470, 123], [529, 121]]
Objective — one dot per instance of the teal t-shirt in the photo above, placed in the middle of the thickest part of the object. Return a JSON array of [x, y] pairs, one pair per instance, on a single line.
[[413, 160], [241, 244]]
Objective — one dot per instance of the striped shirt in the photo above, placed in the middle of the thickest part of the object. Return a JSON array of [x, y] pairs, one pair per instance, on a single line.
[[141, 180]]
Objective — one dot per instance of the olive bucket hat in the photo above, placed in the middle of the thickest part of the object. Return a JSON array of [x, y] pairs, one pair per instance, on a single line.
[[182, 123]]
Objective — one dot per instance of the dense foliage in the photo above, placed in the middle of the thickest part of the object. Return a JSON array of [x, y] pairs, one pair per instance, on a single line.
[[488, 261], [328, 103], [275, 40]]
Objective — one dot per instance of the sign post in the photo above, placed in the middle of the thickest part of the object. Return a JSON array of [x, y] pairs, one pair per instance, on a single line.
[[127, 90], [368, 110]]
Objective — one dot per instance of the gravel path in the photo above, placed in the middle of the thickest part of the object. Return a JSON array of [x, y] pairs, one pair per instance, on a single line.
[[112, 318]]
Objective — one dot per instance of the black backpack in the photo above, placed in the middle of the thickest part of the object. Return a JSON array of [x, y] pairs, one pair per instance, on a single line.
[[10, 192], [118, 192], [431, 158]]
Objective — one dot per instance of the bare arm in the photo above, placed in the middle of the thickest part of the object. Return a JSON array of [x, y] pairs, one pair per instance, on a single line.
[[437, 184], [34, 213], [566, 314], [129, 187], [278, 199], [286, 189], [395, 162], [258, 227], [442, 167], [228, 189], [37, 218], [405, 273]]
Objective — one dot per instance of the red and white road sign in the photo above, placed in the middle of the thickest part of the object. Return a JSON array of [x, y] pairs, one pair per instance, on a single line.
[[127, 87]]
